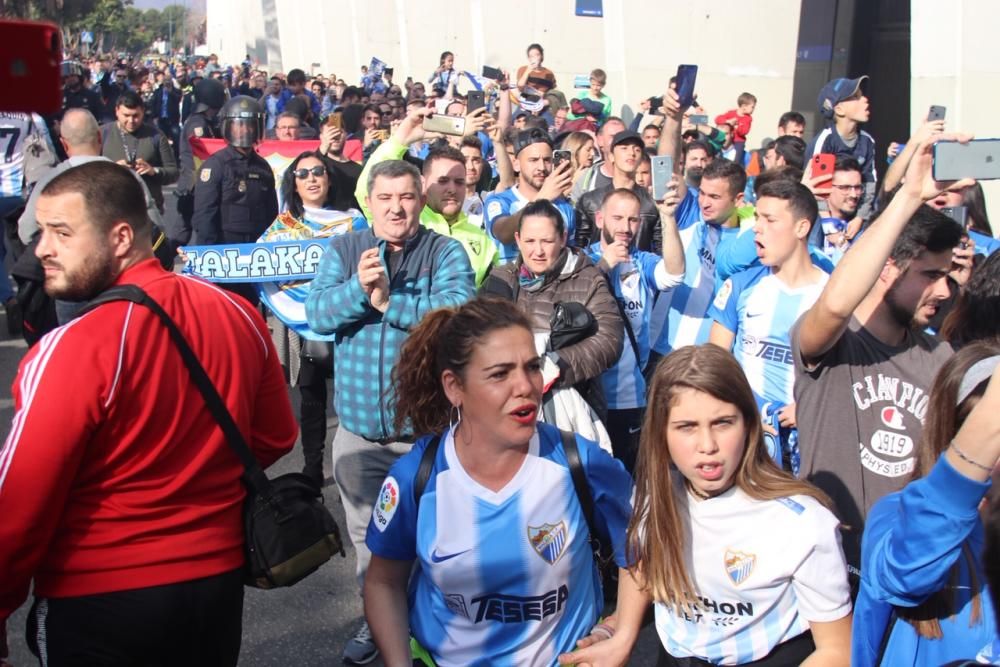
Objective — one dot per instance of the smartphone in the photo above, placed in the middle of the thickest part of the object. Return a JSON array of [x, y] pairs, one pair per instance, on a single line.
[[822, 165], [30, 56], [492, 73], [686, 77], [382, 135], [959, 214], [978, 159], [654, 105], [475, 100], [936, 113], [336, 119], [698, 119], [558, 157], [663, 171], [453, 125]]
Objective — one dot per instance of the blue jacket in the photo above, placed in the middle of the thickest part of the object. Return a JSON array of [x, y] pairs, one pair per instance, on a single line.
[[434, 272], [912, 538]]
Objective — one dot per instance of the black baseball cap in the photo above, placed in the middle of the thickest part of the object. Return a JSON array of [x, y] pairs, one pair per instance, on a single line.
[[533, 135], [625, 136]]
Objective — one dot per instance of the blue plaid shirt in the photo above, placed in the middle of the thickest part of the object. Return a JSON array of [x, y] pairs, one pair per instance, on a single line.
[[434, 272]]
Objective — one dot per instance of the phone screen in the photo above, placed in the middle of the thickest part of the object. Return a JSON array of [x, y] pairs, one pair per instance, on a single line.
[[686, 77]]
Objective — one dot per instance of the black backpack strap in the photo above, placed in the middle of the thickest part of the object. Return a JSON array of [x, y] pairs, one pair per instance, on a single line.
[[425, 467], [893, 617], [253, 476], [581, 486]]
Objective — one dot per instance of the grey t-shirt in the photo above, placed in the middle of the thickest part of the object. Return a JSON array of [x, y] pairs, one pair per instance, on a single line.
[[860, 413]]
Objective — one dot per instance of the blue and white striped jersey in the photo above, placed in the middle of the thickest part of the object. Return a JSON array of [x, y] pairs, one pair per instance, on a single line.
[[509, 202], [680, 316], [15, 128], [635, 285], [760, 309], [762, 570], [505, 577]]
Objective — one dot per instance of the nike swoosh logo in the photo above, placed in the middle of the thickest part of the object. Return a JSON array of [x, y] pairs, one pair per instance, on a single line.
[[749, 315], [435, 558], [634, 430]]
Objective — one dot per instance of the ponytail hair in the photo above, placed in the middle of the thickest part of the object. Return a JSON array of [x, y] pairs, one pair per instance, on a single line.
[[443, 341]]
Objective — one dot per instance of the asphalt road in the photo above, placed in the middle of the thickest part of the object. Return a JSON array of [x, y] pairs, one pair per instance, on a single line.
[[306, 625]]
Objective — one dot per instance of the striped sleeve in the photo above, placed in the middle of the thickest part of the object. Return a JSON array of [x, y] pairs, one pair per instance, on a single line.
[[60, 394]]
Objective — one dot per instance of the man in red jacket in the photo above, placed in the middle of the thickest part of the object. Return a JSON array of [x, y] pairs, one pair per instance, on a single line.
[[119, 494]]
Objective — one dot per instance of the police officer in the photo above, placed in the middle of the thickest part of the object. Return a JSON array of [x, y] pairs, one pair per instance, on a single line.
[[209, 98], [75, 94], [234, 196]]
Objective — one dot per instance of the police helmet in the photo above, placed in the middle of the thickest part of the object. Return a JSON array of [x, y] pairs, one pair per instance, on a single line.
[[242, 122], [209, 94], [70, 68]]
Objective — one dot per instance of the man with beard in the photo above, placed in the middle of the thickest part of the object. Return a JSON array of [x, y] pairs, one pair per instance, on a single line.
[[697, 155], [842, 223], [125, 508], [139, 146], [635, 277], [625, 156], [536, 179], [444, 175], [861, 352]]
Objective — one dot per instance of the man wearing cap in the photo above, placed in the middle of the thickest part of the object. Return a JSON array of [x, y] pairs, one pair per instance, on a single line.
[[845, 108], [624, 158], [536, 179]]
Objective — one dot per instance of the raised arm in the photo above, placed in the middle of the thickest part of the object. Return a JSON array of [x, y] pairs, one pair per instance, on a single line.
[[894, 174], [855, 275]]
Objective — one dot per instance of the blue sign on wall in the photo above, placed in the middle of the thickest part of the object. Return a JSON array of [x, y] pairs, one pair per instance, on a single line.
[[590, 7]]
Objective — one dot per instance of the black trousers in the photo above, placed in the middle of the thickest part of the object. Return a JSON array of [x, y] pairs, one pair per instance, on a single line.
[[198, 622], [788, 654], [312, 417], [623, 429]]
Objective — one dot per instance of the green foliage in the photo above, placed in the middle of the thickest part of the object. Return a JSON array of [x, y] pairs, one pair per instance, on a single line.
[[116, 24]]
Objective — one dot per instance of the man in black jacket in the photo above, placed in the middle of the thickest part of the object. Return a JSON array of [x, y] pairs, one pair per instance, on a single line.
[[165, 107], [624, 156]]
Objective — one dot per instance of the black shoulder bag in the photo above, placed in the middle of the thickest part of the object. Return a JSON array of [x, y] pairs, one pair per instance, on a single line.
[[289, 532]]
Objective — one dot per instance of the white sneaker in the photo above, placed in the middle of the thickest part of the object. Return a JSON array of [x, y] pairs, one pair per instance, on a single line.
[[360, 649]]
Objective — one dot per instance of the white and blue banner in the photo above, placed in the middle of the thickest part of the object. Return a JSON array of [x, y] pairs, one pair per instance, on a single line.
[[276, 261]]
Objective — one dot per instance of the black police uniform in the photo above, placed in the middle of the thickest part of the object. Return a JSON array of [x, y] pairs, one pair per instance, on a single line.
[[234, 202], [197, 125], [84, 98]]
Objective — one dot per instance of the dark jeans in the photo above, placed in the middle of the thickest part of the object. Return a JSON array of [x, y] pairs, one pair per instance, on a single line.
[[312, 417], [792, 652], [198, 622]]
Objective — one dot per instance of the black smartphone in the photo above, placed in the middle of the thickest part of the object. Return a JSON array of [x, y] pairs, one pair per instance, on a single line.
[[654, 105], [475, 100], [558, 157], [959, 214], [686, 77], [492, 73], [936, 113]]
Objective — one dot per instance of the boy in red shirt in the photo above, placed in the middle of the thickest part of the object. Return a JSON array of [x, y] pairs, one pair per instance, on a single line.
[[740, 119]]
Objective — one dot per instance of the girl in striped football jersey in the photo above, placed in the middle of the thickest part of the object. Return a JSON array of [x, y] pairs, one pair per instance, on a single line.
[[741, 560]]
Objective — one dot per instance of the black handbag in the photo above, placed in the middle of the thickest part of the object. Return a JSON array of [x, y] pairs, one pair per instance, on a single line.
[[289, 532], [570, 323]]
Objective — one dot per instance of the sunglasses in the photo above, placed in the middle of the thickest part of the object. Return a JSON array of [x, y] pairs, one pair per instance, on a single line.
[[303, 173]]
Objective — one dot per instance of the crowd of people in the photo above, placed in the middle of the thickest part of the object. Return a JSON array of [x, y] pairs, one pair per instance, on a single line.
[[756, 393]]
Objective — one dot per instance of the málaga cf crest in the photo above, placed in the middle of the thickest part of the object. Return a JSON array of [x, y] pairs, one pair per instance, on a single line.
[[548, 540], [739, 565]]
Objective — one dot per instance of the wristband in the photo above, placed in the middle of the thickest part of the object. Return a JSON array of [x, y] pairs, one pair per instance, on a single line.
[[603, 629]]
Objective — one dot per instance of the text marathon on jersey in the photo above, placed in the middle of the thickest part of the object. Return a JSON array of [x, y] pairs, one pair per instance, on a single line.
[[278, 261]]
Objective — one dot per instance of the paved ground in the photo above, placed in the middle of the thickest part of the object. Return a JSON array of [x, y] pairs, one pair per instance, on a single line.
[[306, 625]]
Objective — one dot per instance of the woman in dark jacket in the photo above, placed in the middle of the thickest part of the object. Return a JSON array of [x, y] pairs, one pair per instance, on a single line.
[[547, 272]]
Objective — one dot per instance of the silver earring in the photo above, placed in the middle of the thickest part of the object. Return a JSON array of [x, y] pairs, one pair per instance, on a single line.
[[452, 421]]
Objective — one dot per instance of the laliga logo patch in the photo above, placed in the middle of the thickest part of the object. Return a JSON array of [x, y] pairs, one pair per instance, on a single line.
[[892, 417], [739, 566], [548, 540], [385, 506]]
